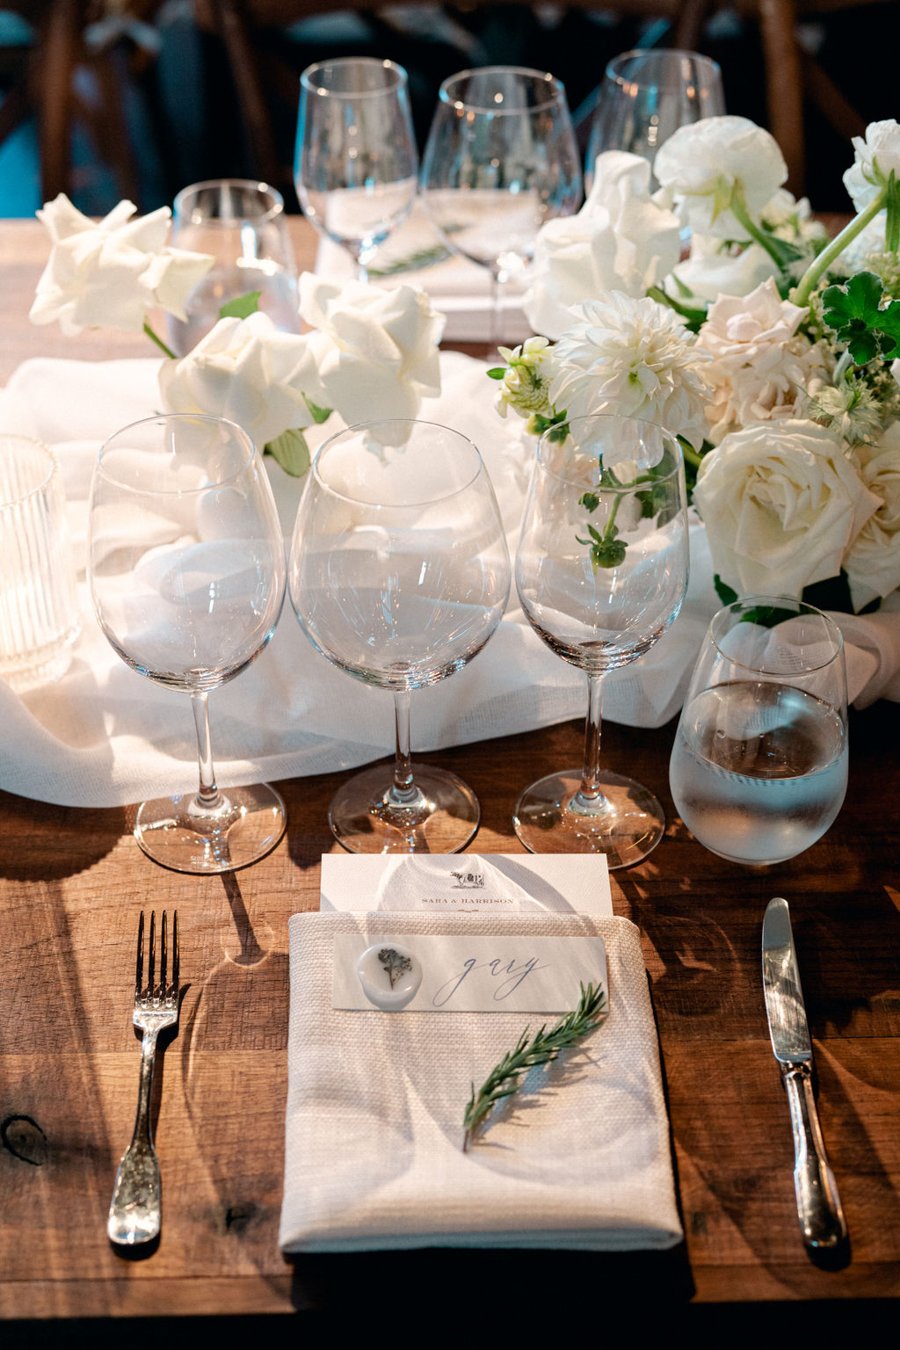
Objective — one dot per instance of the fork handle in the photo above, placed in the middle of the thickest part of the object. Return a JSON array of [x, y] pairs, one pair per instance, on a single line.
[[134, 1214]]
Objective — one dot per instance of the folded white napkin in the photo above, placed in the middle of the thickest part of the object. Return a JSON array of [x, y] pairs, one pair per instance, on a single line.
[[105, 736], [461, 289], [373, 1154]]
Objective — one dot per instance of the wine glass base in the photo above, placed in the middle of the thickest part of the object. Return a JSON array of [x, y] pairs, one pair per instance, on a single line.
[[628, 826], [177, 833], [443, 818]]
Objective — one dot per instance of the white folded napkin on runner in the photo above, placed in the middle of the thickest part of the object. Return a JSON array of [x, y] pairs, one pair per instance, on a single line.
[[373, 1157], [106, 736]]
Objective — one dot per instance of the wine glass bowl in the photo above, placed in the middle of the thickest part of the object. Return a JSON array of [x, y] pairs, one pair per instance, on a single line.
[[601, 572], [759, 765], [399, 574], [501, 159], [187, 575], [646, 94], [356, 162], [241, 224]]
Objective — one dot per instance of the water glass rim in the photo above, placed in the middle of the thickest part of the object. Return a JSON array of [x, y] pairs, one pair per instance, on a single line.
[[399, 80], [547, 441], [359, 428], [800, 608], [51, 463], [252, 184], [171, 418], [614, 70], [555, 85]]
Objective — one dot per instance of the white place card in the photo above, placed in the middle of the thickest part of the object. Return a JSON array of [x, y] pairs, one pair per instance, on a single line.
[[443, 973], [489, 883]]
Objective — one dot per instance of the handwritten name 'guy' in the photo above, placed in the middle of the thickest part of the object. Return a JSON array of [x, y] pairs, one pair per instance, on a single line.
[[511, 975]]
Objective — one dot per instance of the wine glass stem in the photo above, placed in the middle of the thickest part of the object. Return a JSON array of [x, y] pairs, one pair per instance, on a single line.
[[495, 331], [404, 790], [208, 796], [589, 795]]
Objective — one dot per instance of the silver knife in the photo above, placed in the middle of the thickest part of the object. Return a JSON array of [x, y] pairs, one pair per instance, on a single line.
[[818, 1203]]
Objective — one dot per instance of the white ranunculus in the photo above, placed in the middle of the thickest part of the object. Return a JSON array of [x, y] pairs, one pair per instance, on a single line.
[[781, 504], [877, 157], [378, 348], [112, 272], [702, 164], [759, 366], [715, 269], [619, 240], [249, 371], [873, 562], [632, 357]]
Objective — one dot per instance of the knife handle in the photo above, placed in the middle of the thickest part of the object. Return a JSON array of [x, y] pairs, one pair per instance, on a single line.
[[818, 1203]]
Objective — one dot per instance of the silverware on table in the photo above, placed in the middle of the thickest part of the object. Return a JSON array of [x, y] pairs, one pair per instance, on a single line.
[[134, 1214], [818, 1204]]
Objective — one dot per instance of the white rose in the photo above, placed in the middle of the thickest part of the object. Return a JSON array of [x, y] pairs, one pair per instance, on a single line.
[[378, 348], [702, 165], [619, 240], [781, 504], [760, 367], [249, 371], [714, 269], [877, 157], [110, 274], [873, 562]]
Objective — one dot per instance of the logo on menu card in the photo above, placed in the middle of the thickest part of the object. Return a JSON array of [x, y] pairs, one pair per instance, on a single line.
[[468, 881]]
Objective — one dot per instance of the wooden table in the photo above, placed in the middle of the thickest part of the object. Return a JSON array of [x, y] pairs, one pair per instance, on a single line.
[[72, 883]]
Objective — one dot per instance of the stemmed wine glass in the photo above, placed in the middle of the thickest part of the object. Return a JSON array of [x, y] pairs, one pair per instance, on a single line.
[[759, 765], [648, 93], [187, 573], [601, 573], [501, 159], [399, 574], [356, 161]]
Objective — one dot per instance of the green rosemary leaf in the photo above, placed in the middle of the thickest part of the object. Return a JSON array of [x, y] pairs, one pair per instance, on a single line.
[[542, 1048]]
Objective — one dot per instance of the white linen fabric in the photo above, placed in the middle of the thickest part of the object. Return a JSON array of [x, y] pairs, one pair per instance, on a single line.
[[106, 736], [580, 1158]]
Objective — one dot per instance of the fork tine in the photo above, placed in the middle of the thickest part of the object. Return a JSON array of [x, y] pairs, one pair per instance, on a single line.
[[151, 960], [175, 966], [139, 971], [163, 953]]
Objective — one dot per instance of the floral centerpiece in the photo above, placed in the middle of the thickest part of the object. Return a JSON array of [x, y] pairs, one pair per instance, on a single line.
[[769, 349], [367, 354]]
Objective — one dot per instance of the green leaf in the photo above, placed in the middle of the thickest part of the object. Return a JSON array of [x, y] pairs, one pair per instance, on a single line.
[[693, 317], [291, 452], [241, 307], [496, 372], [855, 314], [589, 500], [723, 591], [318, 415]]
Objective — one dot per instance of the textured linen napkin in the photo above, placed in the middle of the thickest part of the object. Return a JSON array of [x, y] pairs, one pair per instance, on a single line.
[[373, 1154]]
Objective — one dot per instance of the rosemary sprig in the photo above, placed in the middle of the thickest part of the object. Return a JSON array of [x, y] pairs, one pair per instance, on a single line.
[[543, 1047]]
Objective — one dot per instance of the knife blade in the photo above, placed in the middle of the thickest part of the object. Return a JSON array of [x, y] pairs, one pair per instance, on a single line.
[[818, 1204]]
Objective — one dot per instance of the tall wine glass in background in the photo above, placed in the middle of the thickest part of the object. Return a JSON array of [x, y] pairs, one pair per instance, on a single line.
[[187, 573], [647, 94], [759, 765], [241, 223], [356, 161], [501, 159], [399, 574], [601, 573]]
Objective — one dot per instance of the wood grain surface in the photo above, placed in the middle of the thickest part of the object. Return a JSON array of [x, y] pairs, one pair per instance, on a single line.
[[72, 883]]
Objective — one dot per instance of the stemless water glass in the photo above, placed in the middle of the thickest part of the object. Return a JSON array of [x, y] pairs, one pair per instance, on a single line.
[[646, 95], [356, 161], [759, 766], [601, 573], [187, 573], [501, 159], [241, 223], [399, 574]]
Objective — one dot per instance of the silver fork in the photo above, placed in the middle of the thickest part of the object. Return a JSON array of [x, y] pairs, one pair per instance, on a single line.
[[134, 1213]]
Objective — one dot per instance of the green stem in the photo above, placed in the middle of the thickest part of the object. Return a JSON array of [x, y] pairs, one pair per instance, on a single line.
[[820, 265], [154, 337], [689, 454], [740, 212]]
